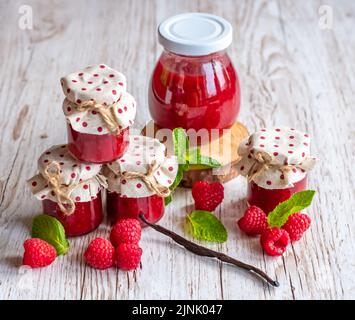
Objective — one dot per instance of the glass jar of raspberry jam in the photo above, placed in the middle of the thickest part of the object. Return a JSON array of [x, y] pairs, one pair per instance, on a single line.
[[139, 180], [99, 113], [276, 162], [69, 190], [86, 217], [268, 199], [97, 148], [194, 84], [119, 207]]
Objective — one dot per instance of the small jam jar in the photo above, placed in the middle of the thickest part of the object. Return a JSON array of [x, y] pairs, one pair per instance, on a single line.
[[97, 148], [77, 185], [129, 193], [276, 162], [95, 136], [194, 84], [119, 207]]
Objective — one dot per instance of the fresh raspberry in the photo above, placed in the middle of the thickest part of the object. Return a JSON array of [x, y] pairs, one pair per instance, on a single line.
[[126, 231], [38, 253], [100, 254], [296, 225], [274, 241], [128, 256], [253, 222], [207, 196]]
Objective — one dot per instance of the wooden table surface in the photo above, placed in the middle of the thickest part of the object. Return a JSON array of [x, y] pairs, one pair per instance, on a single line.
[[292, 72]]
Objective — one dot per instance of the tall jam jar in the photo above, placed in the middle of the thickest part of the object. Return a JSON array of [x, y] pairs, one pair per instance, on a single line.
[[194, 84], [276, 162], [69, 190], [99, 113], [139, 181]]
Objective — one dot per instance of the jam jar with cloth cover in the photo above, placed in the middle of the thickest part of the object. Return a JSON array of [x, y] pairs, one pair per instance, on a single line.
[[276, 162], [69, 190], [139, 181], [99, 113]]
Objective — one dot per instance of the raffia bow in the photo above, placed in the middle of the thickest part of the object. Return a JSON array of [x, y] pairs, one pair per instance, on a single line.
[[62, 193], [148, 178], [262, 163], [52, 175], [106, 113]]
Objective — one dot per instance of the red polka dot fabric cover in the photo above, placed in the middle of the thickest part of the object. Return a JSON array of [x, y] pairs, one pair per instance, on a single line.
[[72, 172], [103, 85], [285, 146], [141, 153]]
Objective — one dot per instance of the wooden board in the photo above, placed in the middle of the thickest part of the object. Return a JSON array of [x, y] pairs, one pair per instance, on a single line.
[[224, 149], [291, 71]]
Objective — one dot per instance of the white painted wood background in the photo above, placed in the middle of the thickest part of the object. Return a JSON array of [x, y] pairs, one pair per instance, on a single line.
[[291, 73]]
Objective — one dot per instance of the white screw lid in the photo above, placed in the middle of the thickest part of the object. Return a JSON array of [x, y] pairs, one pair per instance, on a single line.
[[195, 34]]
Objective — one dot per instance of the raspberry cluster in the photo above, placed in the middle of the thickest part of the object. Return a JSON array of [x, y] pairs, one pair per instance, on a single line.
[[273, 240], [122, 250]]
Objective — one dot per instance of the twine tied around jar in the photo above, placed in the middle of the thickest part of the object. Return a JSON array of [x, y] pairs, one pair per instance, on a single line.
[[148, 178], [52, 174], [262, 163], [105, 111], [62, 193]]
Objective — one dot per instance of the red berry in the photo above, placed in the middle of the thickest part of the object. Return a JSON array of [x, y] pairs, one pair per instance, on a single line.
[[128, 256], [126, 231], [253, 222], [38, 253], [274, 241], [207, 196], [100, 254], [296, 225]]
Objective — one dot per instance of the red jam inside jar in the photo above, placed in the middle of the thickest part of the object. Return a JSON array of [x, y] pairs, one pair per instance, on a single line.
[[97, 148], [123, 207], [194, 92], [86, 217], [268, 199]]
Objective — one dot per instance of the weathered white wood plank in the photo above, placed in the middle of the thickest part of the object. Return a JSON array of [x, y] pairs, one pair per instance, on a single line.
[[291, 73]]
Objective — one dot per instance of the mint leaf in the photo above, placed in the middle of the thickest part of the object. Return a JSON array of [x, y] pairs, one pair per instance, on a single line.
[[178, 178], [52, 231], [205, 226], [181, 147], [196, 158], [168, 199], [181, 151], [296, 203]]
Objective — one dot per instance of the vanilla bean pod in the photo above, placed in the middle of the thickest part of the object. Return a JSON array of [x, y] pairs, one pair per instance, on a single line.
[[205, 252]]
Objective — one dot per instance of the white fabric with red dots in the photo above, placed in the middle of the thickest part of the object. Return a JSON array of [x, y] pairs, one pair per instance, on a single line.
[[72, 172], [141, 153], [285, 146], [103, 85]]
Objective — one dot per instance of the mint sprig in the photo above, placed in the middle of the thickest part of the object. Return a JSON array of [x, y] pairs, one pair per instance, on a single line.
[[204, 225], [297, 202], [184, 156], [181, 151], [196, 158], [181, 147], [52, 231]]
